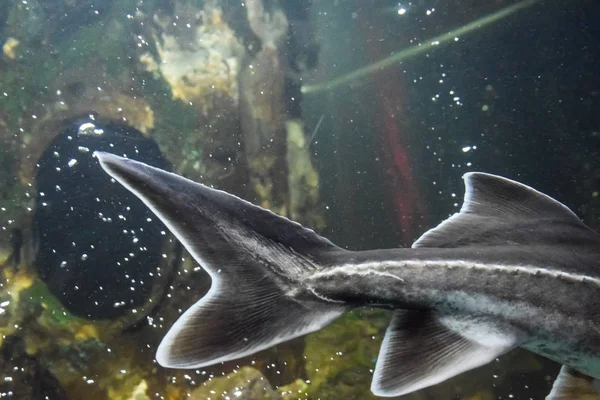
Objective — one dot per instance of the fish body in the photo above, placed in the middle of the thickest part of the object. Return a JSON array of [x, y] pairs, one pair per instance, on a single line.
[[525, 296], [513, 268]]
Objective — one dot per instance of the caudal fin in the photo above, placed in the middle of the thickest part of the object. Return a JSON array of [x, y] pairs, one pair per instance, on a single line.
[[256, 260]]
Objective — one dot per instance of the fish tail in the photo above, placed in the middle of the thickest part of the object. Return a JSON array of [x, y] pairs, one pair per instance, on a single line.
[[255, 258]]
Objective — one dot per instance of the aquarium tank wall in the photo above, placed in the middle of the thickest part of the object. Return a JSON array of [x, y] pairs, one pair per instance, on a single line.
[[354, 118]]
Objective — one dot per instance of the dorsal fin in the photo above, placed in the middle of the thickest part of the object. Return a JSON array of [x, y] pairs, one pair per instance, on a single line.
[[492, 195], [490, 203]]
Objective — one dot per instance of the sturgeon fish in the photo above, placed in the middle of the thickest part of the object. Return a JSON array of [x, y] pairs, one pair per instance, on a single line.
[[513, 268]]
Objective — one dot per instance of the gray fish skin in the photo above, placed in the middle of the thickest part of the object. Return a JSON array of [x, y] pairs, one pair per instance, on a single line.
[[555, 310], [513, 268]]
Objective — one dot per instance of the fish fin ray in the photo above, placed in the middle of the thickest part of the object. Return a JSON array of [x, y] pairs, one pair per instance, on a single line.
[[489, 204], [572, 385], [254, 257], [419, 351], [230, 323]]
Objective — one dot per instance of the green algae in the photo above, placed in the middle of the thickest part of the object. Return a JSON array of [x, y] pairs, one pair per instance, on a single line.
[[244, 384], [340, 358], [38, 294]]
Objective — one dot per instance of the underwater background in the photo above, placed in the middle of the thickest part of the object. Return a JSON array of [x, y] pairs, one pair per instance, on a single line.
[[357, 118]]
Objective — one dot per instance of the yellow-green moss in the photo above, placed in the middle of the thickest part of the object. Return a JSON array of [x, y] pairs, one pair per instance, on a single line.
[[340, 358]]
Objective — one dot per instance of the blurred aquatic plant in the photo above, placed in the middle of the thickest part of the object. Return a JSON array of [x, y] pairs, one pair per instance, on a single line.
[[421, 48], [9, 48], [201, 60], [37, 68], [262, 107], [25, 19], [303, 178], [246, 383], [340, 358], [51, 21]]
